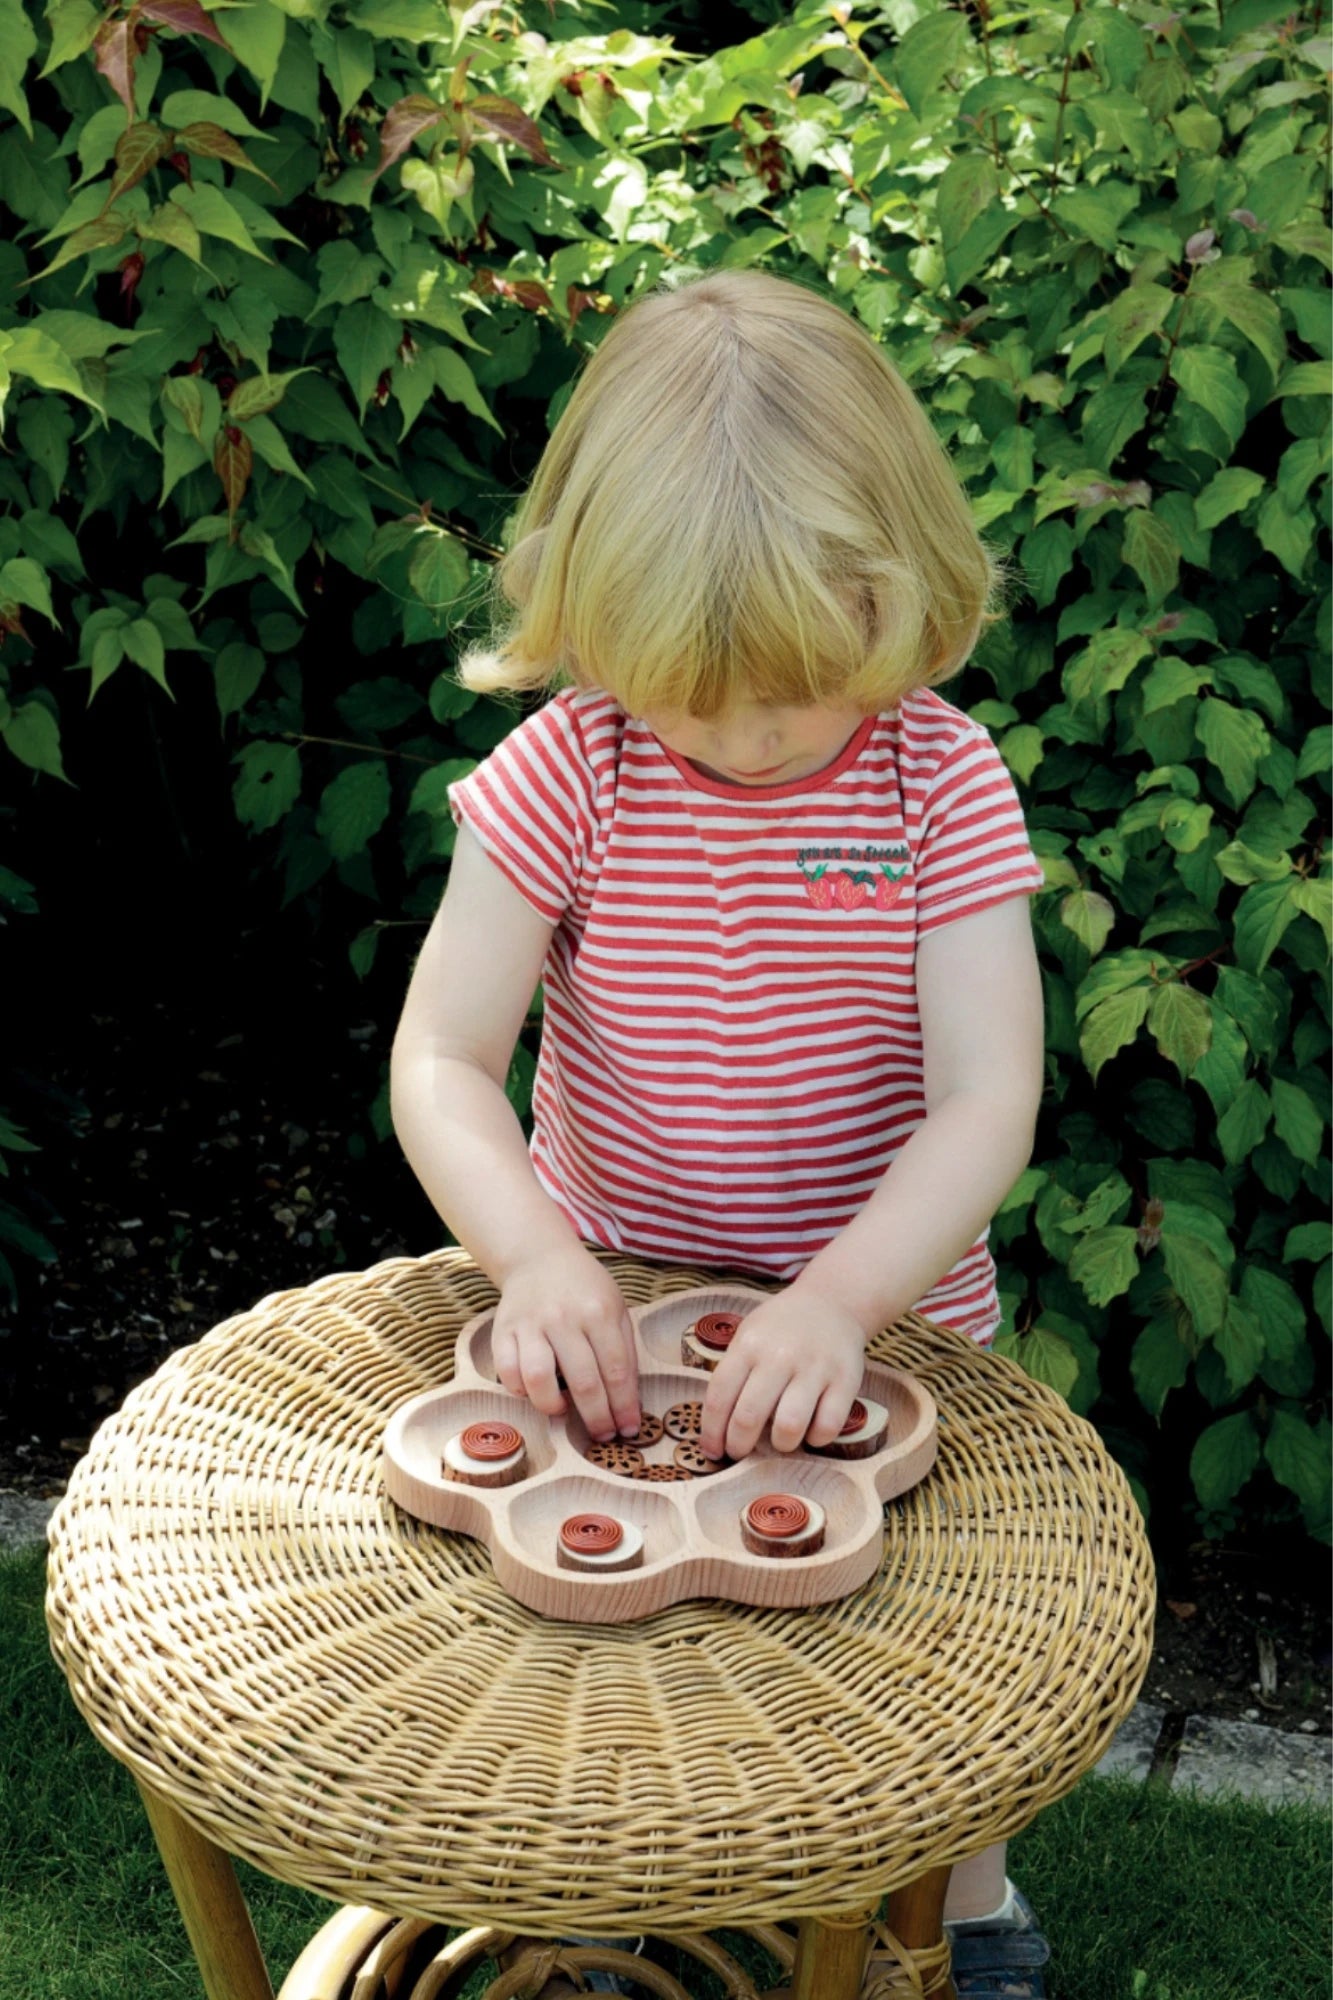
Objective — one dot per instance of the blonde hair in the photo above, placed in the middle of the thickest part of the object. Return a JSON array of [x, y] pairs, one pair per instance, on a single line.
[[742, 500]]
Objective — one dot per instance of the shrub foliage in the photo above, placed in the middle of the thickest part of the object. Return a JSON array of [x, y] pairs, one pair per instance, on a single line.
[[292, 292]]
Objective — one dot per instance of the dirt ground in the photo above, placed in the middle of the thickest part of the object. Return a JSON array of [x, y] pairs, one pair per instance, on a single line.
[[211, 1157]]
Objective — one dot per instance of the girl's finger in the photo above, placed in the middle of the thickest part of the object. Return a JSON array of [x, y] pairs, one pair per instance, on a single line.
[[830, 1414], [537, 1370], [759, 1397], [504, 1353], [796, 1406], [618, 1364], [583, 1384], [724, 1386]]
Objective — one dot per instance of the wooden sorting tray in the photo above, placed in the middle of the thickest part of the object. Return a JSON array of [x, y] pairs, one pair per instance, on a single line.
[[691, 1531]]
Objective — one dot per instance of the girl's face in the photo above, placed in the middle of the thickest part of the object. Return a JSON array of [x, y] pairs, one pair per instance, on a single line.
[[758, 742]]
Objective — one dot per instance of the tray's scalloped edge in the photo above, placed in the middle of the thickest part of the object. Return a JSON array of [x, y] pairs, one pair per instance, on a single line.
[[699, 1566]]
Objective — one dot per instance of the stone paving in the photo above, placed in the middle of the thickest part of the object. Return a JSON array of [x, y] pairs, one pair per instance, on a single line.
[[1211, 1759]]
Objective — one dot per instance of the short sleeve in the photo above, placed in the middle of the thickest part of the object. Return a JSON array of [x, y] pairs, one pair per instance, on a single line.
[[530, 804], [973, 848]]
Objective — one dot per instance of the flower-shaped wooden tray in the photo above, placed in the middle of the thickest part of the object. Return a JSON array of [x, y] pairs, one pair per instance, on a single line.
[[692, 1544]]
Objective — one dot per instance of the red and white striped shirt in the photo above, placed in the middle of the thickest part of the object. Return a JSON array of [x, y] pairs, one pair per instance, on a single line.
[[731, 1054]]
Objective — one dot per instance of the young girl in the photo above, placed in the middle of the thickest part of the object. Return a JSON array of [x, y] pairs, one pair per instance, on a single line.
[[775, 889]]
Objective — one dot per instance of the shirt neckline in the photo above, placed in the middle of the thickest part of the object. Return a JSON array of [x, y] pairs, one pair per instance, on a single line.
[[813, 781]]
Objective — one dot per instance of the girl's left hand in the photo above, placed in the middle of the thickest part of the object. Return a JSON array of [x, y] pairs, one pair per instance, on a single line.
[[797, 1359]]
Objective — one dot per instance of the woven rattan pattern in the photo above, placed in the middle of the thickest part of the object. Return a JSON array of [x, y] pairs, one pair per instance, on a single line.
[[346, 1698]]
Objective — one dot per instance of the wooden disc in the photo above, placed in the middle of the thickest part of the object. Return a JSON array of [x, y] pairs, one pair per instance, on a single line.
[[615, 1456], [660, 1473], [591, 1534], [684, 1420], [694, 1460], [649, 1431]]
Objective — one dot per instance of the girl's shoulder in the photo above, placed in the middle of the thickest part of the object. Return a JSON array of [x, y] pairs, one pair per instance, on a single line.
[[932, 730]]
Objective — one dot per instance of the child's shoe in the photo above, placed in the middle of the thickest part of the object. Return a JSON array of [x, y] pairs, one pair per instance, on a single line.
[[996, 1957]]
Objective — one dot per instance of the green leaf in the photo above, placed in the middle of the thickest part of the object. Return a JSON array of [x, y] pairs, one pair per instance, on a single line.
[[457, 381], [438, 570], [1152, 551], [1022, 750], [1299, 1124], [1263, 916], [1108, 1202], [1227, 492], [366, 344], [930, 49], [1098, 211], [361, 951], [1286, 533], [18, 45], [33, 735], [1134, 315], [213, 215], [1044, 1356], [143, 644], [1278, 1312], [1198, 1275], [237, 672], [1089, 916], [1221, 1071], [1244, 1122], [1111, 417], [1235, 741], [1105, 1263], [1181, 1023], [1223, 1459], [1208, 378], [1240, 1342], [1111, 1025], [269, 783], [966, 189], [256, 33], [1249, 1002], [23, 581], [354, 807], [1309, 1240], [1299, 1459], [1159, 1363]]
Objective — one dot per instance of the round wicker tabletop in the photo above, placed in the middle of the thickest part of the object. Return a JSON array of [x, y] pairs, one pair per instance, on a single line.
[[346, 1698]]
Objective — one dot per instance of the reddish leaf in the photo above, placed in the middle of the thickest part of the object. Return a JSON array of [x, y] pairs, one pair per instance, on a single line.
[[403, 122], [114, 46], [503, 119], [131, 270], [187, 17], [578, 301], [524, 291], [210, 142], [1181, 1610], [139, 147], [233, 456]]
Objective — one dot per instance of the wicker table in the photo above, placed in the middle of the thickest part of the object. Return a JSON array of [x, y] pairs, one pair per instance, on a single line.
[[298, 1673]]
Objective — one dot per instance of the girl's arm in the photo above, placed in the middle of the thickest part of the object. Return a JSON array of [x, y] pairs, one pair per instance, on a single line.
[[469, 993], [979, 991]]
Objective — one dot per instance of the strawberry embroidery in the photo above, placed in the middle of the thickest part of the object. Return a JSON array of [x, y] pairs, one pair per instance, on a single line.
[[890, 888], [818, 889], [853, 888]]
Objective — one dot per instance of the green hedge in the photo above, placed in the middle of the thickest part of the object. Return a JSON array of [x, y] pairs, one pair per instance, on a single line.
[[292, 294]]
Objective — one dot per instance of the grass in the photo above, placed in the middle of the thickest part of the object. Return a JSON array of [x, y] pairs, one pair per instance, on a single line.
[[1144, 1895]]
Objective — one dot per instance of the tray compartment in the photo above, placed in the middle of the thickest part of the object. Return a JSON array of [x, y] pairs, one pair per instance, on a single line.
[[718, 1503], [661, 1325]]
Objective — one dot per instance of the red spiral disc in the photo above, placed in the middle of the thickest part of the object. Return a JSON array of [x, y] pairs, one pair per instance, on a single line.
[[856, 1416], [777, 1514], [591, 1534], [716, 1330], [490, 1439]]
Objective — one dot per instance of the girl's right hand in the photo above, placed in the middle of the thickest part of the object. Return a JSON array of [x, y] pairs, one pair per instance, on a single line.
[[564, 1312]]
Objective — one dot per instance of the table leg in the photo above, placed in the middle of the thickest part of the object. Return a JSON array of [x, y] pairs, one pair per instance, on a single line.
[[916, 1920], [830, 1959], [212, 1907]]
